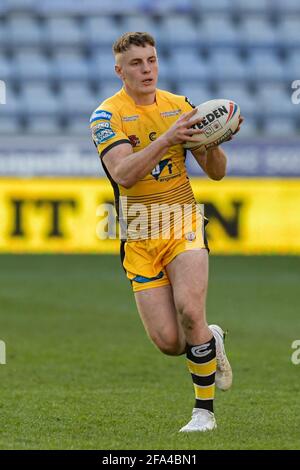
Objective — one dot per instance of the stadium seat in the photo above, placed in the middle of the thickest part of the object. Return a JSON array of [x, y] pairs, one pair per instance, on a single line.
[[43, 125], [179, 30], [228, 65], [24, 31], [70, 65], [166, 7], [3, 35], [264, 66], [6, 68], [257, 31], [288, 6], [279, 128], [76, 99], [275, 99], [9, 125], [141, 23], [289, 31], [189, 66], [83, 8], [103, 66], [100, 31], [226, 31], [217, 6], [245, 6], [21, 5], [3, 8], [32, 65], [63, 31], [39, 99], [79, 126]]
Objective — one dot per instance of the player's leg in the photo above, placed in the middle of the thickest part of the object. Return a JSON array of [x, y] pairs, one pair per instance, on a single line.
[[160, 319], [188, 274]]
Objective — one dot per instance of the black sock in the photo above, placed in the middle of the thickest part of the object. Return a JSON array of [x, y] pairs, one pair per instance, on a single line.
[[202, 364]]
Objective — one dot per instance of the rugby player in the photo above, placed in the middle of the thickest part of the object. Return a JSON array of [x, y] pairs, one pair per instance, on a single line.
[[140, 134]]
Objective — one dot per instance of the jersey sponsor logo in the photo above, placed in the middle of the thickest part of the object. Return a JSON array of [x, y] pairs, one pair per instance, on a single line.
[[171, 113], [101, 114], [102, 125], [130, 118], [102, 133], [189, 102], [156, 172], [152, 136], [134, 140]]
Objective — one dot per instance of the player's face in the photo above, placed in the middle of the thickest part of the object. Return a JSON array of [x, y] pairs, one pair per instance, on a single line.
[[138, 68]]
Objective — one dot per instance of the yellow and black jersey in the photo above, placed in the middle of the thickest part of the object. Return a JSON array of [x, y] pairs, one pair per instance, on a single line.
[[118, 120]]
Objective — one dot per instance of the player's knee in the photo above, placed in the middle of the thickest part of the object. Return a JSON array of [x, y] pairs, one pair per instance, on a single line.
[[172, 349], [171, 346]]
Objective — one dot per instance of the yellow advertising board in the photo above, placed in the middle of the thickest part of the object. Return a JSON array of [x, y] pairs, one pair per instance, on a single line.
[[250, 216]]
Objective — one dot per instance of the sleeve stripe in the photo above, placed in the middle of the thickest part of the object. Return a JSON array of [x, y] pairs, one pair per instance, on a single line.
[[114, 144]]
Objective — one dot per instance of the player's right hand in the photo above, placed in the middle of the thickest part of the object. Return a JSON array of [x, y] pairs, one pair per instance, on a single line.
[[183, 129]]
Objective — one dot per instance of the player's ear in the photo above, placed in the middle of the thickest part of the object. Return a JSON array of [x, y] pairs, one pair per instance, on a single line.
[[118, 71]]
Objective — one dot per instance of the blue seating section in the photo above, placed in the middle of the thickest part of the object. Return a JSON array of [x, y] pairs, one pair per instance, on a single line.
[[56, 59]]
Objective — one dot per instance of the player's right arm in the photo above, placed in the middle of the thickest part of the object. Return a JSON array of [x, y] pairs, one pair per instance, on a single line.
[[127, 168]]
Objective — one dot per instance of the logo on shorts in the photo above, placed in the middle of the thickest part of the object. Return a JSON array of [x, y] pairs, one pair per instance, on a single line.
[[190, 236]]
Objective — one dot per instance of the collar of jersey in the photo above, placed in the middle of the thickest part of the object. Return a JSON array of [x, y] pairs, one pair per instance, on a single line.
[[149, 107]]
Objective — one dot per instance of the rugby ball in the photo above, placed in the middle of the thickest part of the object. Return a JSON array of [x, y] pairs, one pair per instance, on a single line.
[[220, 119]]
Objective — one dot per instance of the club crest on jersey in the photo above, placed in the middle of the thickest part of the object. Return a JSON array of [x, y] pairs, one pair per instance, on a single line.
[[152, 136], [134, 140]]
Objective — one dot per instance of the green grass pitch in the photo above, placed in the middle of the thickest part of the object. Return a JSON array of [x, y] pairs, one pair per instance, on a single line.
[[81, 373]]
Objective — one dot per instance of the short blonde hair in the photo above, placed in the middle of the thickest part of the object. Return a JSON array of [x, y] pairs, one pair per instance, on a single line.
[[124, 42]]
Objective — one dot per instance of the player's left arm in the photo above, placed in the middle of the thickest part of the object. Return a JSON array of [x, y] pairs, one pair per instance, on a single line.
[[213, 161]]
